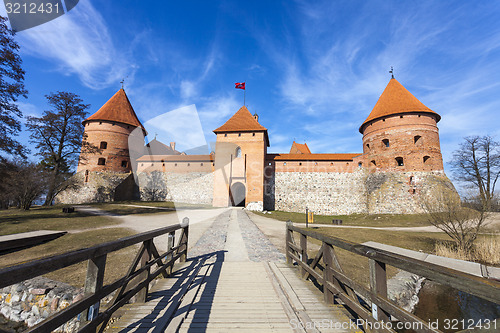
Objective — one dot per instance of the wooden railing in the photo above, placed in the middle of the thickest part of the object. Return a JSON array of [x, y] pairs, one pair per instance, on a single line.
[[376, 311], [146, 266]]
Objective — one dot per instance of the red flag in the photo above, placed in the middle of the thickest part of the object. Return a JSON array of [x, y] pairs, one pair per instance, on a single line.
[[240, 85]]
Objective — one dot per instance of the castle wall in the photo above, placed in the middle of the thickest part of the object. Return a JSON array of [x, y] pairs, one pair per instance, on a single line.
[[315, 166], [99, 187], [195, 187], [335, 193]]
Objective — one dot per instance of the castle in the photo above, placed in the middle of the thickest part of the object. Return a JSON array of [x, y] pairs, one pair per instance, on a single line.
[[401, 159]]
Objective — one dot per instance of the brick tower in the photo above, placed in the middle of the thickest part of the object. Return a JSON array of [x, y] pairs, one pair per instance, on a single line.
[[401, 133], [109, 129], [241, 147]]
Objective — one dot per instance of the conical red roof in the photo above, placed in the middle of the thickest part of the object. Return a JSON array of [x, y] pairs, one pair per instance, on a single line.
[[396, 99], [118, 109], [241, 121]]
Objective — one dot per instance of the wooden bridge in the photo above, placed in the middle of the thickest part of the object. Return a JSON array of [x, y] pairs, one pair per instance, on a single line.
[[219, 292]]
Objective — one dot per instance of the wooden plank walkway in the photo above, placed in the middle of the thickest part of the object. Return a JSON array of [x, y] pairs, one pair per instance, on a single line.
[[222, 296]]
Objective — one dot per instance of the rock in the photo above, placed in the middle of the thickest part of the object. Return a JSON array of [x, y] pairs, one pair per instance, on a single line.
[[24, 297], [63, 304], [77, 298], [54, 304], [25, 315], [43, 302], [14, 317], [35, 310], [32, 321], [5, 311], [45, 314], [39, 291], [15, 298]]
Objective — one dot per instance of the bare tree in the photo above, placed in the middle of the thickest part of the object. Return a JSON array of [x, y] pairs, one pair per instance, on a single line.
[[23, 183], [155, 188], [445, 211], [477, 164], [58, 137]]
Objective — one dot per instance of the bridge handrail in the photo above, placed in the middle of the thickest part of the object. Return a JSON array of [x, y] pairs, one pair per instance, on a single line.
[[335, 282], [139, 275]]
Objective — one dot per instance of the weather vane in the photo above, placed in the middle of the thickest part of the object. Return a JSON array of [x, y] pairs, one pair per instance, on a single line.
[[123, 81], [392, 72]]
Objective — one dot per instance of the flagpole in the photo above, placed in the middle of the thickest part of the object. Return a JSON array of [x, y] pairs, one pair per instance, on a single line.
[[244, 96]]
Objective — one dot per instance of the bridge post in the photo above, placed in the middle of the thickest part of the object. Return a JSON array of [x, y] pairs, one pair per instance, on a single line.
[[288, 240], [142, 295], [303, 254], [327, 272], [170, 245], [184, 238], [378, 286], [93, 283]]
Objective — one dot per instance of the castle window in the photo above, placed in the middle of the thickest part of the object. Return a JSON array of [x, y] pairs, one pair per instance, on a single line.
[[315, 163], [284, 163], [103, 145], [374, 163], [100, 123], [101, 161], [300, 163], [416, 138], [152, 164], [400, 116], [360, 165], [225, 134], [399, 161], [142, 164], [124, 164], [163, 164], [175, 164], [412, 180], [368, 145], [201, 164], [253, 134], [189, 164], [426, 158], [239, 134], [238, 152], [386, 142], [269, 163], [331, 163], [86, 176]]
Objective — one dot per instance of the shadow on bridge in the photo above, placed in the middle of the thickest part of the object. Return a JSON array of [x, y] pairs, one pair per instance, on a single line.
[[196, 281]]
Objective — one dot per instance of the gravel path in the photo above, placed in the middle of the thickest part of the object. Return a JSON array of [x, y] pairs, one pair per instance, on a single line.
[[235, 225]]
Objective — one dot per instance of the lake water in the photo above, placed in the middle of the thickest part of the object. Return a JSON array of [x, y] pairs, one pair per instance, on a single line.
[[452, 309]]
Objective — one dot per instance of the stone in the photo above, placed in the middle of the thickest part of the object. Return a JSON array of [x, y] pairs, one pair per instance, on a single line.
[[35, 310], [77, 298], [43, 302], [25, 315], [45, 313], [38, 291], [54, 304]]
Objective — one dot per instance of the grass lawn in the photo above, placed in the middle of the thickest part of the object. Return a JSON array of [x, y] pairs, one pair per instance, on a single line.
[[130, 207], [116, 265], [48, 218], [377, 220]]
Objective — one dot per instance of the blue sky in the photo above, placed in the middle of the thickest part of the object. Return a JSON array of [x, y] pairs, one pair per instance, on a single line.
[[314, 69]]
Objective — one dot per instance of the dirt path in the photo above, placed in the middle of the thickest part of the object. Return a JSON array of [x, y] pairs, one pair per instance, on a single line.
[[199, 221]]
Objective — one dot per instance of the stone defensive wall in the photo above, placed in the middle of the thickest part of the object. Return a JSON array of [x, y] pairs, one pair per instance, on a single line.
[[342, 193], [192, 187], [91, 186]]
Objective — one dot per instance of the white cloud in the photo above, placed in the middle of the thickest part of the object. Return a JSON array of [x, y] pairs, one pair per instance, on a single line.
[[78, 43]]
